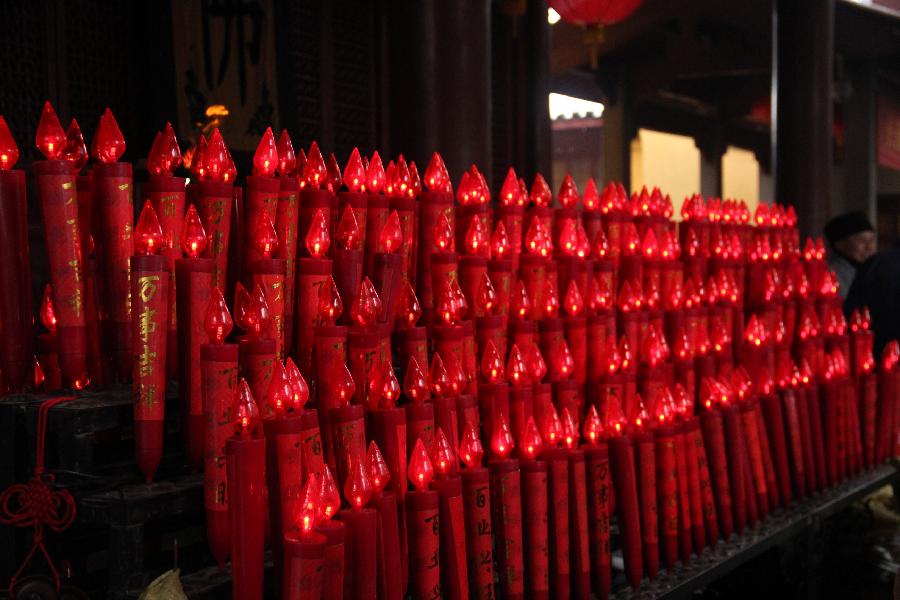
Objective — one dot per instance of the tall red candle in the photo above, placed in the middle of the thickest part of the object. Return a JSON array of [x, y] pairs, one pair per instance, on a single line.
[[56, 190], [667, 486], [506, 506], [625, 486], [16, 343], [194, 282], [754, 452], [737, 479], [312, 273], [150, 303], [714, 439], [348, 438], [389, 549], [269, 274], [477, 503], [218, 375], [361, 558], [579, 527], [645, 458], [287, 216], [599, 491], [246, 467], [261, 197], [454, 566], [771, 405], [333, 559], [214, 205]]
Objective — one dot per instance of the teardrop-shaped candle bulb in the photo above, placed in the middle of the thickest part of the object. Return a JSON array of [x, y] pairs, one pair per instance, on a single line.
[[390, 387], [75, 151], [537, 364], [331, 496], [471, 450], [50, 138], [287, 159], [492, 364], [443, 234], [355, 173], [502, 442], [309, 508], [347, 236], [265, 159], [279, 394], [415, 386], [593, 427], [9, 151], [358, 487], [410, 310], [330, 307], [421, 469], [265, 236], [47, 311], [540, 192], [148, 234], [315, 171], [532, 442], [218, 322], [486, 296], [334, 177], [552, 426], [436, 178], [367, 305], [442, 456], [415, 183], [516, 368], [379, 474], [109, 144], [375, 176], [500, 245], [439, 377], [390, 239], [520, 304], [476, 237], [246, 412]]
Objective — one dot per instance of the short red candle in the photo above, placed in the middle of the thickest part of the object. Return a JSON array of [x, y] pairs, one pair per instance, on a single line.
[[362, 527], [150, 304]]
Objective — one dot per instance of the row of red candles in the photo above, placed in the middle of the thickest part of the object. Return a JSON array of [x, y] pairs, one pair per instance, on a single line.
[[713, 244]]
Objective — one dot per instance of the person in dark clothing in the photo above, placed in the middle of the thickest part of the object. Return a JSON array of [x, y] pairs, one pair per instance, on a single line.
[[877, 286], [853, 241]]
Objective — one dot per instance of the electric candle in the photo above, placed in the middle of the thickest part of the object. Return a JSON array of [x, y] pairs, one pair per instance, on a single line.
[[362, 526], [15, 279], [423, 526], [214, 199], [245, 456], [150, 303], [379, 185], [57, 193], [218, 375], [506, 507], [625, 476], [313, 273]]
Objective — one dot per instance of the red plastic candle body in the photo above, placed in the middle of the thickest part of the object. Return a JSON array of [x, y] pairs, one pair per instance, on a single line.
[[754, 453], [304, 559], [390, 569], [270, 275], [16, 343], [423, 527], [361, 557], [714, 441], [558, 519], [599, 491], [150, 305], [194, 281], [432, 204], [667, 482], [738, 481], [454, 566], [333, 559], [579, 529], [214, 202], [261, 197], [506, 517], [218, 374], [477, 504], [627, 504], [287, 216], [56, 189], [775, 424], [166, 195], [387, 276], [257, 361], [535, 528], [795, 440], [284, 479], [95, 371], [114, 245], [246, 467], [645, 457], [312, 273]]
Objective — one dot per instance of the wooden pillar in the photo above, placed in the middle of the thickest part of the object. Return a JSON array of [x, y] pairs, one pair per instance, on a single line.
[[438, 81], [802, 115], [618, 131], [860, 169]]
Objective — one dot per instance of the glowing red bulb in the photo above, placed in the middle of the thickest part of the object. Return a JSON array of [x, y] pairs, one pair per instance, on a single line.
[[615, 416], [358, 487], [536, 364], [218, 323], [246, 411], [593, 427], [390, 386], [410, 310], [573, 302], [540, 191], [491, 363], [532, 442], [537, 239], [890, 356], [563, 362], [47, 312], [148, 234], [415, 386], [347, 236], [355, 173], [50, 138], [333, 178], [568, 192], [109, 145], [299, 387], [591, 197], [502, 442], [486, 296], [315, 172], [9, 151], [436, 177], [266, 238], [309, 509], [509, 192], [470, 449], [570, 435], [415, 184], [216, 159], [443, 233], [279, 393], [76, 152], [442, 455], [421, 469], [476, 237], [520, 305], [367, 305], [317, 238], [330, 307], [440, 378], [517, 368], [379, 474], [375, 176], [391, 237]]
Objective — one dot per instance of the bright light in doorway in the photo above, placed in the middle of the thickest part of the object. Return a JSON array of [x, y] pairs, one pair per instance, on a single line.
[[552, 16], [569, 106]]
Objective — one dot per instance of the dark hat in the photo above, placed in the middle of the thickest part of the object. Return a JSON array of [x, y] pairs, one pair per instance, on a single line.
[[845, 225]]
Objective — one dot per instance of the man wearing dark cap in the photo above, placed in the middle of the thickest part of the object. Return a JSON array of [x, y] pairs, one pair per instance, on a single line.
[[852, 240]]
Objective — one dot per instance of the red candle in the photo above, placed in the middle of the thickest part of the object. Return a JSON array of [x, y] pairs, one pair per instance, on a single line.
[[579, 528], [56, 190], [737, 479], [218, 374], [312, 274], [423, 527], [16, 346], [477, 504], [599, 492], [348, 438], [304, 562], [150, 303], [625, 486], [714, 439], [194, 282], [696, 451], [795, 438], [261, 197], [437, 201], [246, 466], [667, 476], [333, 559], [286, 223], [454, 567], [771, 406], [331, 354], [754, 453]]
